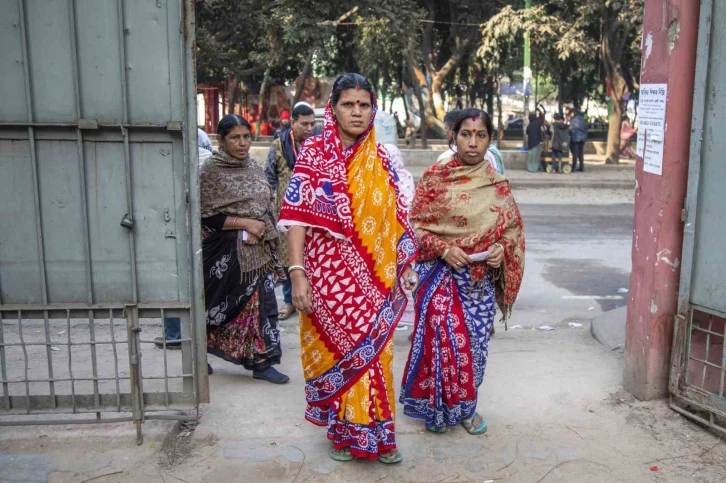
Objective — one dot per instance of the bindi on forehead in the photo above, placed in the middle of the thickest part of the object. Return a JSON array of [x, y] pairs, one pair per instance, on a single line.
[[471, 123]]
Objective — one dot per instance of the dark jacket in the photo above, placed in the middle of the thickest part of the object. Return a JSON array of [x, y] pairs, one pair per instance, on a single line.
[[578, 129], [283, 149], [560, 136], [534, 134]]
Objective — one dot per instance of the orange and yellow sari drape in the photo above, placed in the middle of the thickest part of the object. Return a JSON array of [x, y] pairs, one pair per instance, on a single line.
[[357, 246]]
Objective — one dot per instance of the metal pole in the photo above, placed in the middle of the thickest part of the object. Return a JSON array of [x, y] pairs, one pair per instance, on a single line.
[[527, 77], [137, 395], [196, 288]]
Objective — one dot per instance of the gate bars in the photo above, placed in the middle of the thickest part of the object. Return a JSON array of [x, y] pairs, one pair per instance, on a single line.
[[89, 379]]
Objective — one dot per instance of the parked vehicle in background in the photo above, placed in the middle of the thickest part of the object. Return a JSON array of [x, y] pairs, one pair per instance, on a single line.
[[516, 123]]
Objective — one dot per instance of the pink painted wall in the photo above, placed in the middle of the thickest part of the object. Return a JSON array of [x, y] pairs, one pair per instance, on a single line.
[[670, 33]]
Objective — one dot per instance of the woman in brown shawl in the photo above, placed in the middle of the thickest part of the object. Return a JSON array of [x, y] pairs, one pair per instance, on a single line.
[[472, 254], [238, 243]]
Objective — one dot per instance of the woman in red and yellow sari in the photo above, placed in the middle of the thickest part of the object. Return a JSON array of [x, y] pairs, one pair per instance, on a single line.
[[472, 254], [350, 245]]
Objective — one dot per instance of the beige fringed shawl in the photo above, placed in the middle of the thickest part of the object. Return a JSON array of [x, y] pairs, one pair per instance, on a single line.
[[236, 187]]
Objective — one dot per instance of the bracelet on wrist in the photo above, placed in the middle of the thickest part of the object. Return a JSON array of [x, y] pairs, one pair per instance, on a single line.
[[293, 268], [446, 252]]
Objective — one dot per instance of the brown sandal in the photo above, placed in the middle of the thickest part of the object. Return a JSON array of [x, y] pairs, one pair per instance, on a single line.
[[286, 312]]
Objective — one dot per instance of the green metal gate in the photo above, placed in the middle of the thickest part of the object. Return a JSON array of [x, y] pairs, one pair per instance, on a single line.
[[99, 226]]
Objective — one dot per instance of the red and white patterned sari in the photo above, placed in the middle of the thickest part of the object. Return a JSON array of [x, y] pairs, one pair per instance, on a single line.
[[358, 244]]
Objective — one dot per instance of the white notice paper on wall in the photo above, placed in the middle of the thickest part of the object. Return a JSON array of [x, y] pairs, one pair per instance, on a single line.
[[651, 126]]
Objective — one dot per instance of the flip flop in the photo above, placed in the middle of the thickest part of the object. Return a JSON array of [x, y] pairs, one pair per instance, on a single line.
[[339, 455], [480, 428], [435, 429], [391, 461]]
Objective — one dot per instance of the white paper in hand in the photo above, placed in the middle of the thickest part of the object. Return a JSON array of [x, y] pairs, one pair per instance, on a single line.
[[479, 257]]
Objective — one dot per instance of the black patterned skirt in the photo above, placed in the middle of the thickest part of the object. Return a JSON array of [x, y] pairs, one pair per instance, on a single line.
[[242, 323]]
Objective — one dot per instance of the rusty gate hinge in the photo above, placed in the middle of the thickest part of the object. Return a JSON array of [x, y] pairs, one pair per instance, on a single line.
[[684, 215]]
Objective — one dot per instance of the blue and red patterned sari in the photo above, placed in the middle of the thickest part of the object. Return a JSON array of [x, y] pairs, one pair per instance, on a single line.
[[470, 207]]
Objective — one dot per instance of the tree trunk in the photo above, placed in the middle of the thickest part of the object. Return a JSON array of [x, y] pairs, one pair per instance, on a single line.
[[232, 94], [615, 120], [612, 46], [434, 125], [560, 93], [305, 73], [230, 99], [437, 79], [405, 105], [500, 127], [490, 94], [419, 96], [263, 94]]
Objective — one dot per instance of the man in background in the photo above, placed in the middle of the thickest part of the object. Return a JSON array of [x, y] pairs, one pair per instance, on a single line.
[[578, 136], [534, 144], [278, 170], [284, 123]]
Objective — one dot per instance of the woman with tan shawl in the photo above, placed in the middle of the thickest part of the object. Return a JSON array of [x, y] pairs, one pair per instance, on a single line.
[[472, 255], [239, 239]]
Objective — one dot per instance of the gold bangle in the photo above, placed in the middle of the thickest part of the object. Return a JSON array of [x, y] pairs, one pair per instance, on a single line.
[[234, 222], [446, 252]]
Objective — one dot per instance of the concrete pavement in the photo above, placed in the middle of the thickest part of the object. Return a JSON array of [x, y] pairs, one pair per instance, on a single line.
[[553, 399], [609, 328]]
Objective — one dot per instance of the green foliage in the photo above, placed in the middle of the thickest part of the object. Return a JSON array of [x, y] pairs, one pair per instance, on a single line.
[[383, 31], [566, 37], [452, 45], [235, 35]]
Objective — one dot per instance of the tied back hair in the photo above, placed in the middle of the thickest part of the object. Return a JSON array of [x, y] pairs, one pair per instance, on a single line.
[[351, 80]]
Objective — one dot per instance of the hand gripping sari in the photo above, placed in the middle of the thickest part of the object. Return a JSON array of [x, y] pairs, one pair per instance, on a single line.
[[470, 207], [358, 244]]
